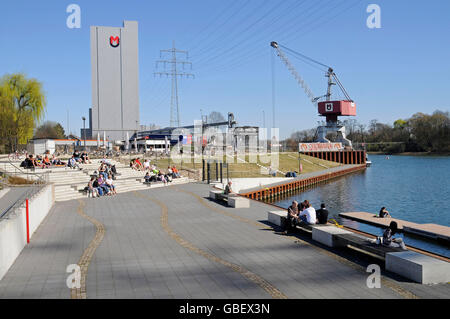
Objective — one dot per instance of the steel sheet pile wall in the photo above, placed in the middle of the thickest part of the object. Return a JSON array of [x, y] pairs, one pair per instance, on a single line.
[[343, 157], [300, 184]]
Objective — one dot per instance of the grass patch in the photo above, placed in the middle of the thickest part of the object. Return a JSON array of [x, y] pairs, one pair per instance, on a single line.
[[14, 180], [287, 162]]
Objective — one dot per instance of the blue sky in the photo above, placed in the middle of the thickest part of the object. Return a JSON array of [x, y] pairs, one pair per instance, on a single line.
[[391, 73]]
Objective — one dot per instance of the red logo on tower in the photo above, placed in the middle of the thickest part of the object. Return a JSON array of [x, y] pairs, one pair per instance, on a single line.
[[114, 41]]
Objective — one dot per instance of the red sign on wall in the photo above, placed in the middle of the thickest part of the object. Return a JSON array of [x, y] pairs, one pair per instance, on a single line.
[[114, 41]]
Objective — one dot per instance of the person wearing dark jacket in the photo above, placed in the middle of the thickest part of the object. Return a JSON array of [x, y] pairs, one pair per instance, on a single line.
[[322, 215], [291, 218], [384, 213]]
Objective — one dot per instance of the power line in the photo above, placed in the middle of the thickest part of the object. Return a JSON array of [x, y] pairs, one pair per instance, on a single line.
[[230, 32], [263, 37], [253, 54], [215, 30]]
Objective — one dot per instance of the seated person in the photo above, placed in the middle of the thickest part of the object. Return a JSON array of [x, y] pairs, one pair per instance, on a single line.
[[384, 213], [389, 241], [146, 165], [77, 156], [91, 189], [96, 185], [291, 217], [147, 177], [138, 164], [110, 184], [102, 171], [169, 172], [46, 161], [55, 160], [38, 162], [322, 215], [73, 163], [228, 189], [162, 177], [83, 157], [103, 185], [175, 172], [308, 215], [29, 162]]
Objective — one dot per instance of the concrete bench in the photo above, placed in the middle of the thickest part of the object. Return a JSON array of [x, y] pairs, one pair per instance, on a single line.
[[238, 202], [361, 243], [277, 217], [329, 235], [418, 267], [232, 200], [213, 194]]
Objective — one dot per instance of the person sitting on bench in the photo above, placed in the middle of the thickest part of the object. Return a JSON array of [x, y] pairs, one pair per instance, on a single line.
[[389, 241], [228, 189], [384, 213], [322, 215], [291, 217], [308, 215]]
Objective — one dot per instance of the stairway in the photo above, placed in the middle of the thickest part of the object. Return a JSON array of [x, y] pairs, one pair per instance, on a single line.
[[69, 181]]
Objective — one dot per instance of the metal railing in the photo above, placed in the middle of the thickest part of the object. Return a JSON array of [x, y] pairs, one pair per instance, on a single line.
[[37, 184], [30, 192], [41, 178]]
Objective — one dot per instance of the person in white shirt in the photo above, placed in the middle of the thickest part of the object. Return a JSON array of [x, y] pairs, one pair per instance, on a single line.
[[110, 184], [308, 215], [146, 165]]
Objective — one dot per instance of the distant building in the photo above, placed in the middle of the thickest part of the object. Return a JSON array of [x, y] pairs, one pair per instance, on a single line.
[[87, 133], [115, 81]]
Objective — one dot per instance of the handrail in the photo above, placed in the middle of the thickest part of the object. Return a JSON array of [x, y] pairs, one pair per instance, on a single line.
[[30, 191], [38, 183], [39, 176]]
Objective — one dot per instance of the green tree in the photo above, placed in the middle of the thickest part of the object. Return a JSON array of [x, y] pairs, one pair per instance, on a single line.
[[23, 102], [50, 130], [400, 124]]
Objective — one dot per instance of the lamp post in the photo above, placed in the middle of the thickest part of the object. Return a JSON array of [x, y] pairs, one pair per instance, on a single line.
[[84, 131]]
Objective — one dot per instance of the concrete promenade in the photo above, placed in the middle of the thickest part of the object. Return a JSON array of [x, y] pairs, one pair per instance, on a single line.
[[171, 242]]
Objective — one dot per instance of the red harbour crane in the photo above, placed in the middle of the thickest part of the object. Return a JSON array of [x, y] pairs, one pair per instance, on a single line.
[[326, 106]]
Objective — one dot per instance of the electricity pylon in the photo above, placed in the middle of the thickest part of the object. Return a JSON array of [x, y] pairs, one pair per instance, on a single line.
[[174, 73]]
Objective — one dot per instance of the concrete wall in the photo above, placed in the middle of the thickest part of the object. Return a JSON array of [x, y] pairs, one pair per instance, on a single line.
[[13, 231], [115, 81], [239, 184]]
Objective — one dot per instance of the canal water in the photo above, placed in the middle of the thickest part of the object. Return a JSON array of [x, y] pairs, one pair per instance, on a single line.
[[412, 188]]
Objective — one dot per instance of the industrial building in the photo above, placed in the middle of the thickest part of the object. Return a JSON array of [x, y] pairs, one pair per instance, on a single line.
[[115, 81]]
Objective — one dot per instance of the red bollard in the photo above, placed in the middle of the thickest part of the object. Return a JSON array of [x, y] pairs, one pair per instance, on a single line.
[[28, 222]]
